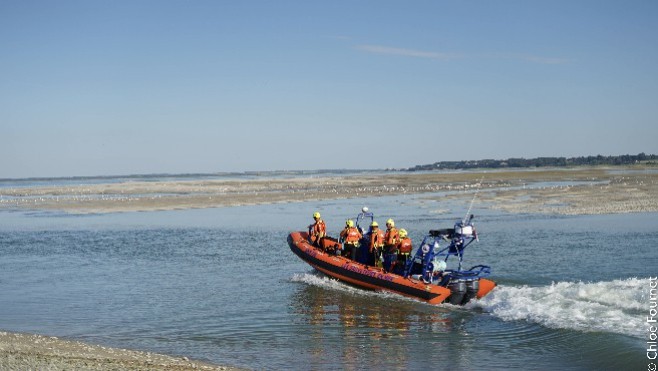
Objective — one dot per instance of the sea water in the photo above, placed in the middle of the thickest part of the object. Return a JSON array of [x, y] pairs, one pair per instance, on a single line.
[[222, 285]]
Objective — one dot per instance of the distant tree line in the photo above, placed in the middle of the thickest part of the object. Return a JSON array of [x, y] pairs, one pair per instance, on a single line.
[[640, 158]]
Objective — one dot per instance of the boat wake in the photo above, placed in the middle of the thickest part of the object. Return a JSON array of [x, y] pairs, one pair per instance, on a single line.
[[618, 306], [320, 280]]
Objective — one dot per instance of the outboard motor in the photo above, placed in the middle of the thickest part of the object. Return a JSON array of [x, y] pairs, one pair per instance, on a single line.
[[472, 287], [457, 291]]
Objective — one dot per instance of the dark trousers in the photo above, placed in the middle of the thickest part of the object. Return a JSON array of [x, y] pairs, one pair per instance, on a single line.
[[350, 250], [401, 264], [389, 261], [373, 256]]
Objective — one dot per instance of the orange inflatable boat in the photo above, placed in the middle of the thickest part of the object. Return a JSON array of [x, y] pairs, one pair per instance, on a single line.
[[425, 277]]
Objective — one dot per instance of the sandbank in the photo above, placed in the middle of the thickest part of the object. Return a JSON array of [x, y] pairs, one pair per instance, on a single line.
[[571, 191]]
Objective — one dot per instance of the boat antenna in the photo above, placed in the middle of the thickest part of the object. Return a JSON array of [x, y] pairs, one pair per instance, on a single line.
[[468, 212]]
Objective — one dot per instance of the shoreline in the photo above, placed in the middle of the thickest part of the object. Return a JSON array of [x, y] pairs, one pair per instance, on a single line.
[[581, 191], [20, 351]]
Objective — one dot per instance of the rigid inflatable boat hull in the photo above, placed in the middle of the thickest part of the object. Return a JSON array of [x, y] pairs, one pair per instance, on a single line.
[[372, 278]]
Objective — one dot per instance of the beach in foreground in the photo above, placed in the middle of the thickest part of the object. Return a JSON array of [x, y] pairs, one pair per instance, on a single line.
[[36, 352], [577, 191]]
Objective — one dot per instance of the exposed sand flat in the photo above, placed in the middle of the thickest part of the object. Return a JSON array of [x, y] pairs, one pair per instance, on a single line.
[[595, 191], [35, 352], [620, 195], [602, 194]]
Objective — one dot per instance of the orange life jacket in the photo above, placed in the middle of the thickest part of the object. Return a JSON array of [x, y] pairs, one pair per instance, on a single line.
[[350, 235], [319, 229], [376, 239], [392, 237], [405, 246]]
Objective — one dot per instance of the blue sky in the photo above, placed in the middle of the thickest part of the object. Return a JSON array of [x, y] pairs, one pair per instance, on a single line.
[[135, 87]]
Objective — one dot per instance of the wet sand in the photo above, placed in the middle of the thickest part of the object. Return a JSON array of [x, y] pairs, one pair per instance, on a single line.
[[582, 191], [36, 352]]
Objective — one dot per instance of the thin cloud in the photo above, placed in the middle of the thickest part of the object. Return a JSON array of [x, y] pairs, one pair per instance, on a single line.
[[379, 49]]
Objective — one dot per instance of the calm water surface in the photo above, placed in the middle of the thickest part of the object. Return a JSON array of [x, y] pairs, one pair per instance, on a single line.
[[221, 285]]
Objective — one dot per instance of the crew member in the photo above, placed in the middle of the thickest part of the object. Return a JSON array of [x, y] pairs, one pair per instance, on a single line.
[[404, 251], [317, 230], [376, 244], [350, 236], [391, 241]]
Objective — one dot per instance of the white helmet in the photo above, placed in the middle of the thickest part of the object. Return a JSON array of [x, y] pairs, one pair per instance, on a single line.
[[439, 265]]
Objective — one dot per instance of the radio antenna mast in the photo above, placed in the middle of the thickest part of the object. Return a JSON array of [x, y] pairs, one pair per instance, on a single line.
[[468, 212]]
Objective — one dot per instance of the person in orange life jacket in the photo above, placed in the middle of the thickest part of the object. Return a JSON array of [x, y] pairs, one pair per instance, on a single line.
[[404, 251], [317, 230], [376, 243], [391, 241], [350, 237]]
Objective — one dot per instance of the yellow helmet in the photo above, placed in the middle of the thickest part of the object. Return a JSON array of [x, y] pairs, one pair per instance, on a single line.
[[391, 222], [349, 223], [316, 215], [403, 233], [374, 224]]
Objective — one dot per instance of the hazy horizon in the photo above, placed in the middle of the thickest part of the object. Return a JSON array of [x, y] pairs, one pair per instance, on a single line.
[[294, 171]]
